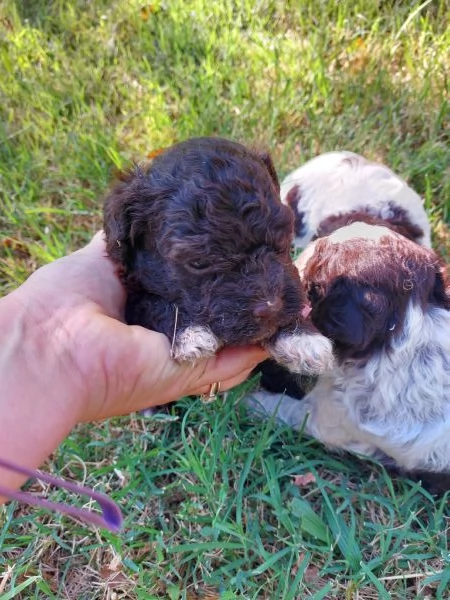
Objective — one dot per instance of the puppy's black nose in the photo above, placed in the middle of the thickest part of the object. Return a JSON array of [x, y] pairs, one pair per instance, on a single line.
[[268, 309]]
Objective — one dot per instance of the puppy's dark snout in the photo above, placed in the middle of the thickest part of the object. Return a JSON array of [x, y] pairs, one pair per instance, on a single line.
[[268, 308]]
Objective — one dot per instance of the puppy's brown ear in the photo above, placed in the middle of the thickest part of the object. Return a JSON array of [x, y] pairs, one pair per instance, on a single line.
[[267, 160], [440, 294], [116, 217], [355, 317]]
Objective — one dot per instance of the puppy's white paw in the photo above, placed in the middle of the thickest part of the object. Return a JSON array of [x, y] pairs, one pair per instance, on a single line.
[[306, 353], [285, 409], [151, 411], [193, 343]]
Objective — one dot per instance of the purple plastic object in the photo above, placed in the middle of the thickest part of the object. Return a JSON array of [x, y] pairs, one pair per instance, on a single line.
[[111, 517]]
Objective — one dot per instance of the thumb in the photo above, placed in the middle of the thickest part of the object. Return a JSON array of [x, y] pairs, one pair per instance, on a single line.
[[141, 373]]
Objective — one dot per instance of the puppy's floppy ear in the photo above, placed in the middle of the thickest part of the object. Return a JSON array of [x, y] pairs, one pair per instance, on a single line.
[[117, 218], [267, 160], [440, 294], [354, 316]]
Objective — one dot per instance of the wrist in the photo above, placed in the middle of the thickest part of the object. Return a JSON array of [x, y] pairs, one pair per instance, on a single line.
[[39, 405]]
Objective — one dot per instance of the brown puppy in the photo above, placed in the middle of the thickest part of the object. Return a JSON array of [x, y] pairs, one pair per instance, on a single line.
[[202, 242]]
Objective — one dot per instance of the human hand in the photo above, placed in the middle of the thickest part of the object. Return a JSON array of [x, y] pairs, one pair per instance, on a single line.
[[67, 357], [115, 368]]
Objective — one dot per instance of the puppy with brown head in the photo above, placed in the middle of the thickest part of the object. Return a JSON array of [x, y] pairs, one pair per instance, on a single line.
[[380, 294], [202, 242]]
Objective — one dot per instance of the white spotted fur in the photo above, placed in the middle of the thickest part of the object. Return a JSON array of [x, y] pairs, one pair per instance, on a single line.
[[309, 354], [193, 343], [339, 182]]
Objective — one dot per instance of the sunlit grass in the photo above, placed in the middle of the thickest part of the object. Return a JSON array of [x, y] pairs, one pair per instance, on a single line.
[[211, 505]]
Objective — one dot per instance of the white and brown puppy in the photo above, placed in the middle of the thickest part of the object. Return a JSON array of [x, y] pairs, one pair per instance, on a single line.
[[379, 293]]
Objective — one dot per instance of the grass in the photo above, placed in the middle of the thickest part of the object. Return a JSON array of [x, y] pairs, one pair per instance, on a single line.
[[213, 504]]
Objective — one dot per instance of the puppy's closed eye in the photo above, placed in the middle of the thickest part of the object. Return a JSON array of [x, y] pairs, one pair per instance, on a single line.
[[199, 265]]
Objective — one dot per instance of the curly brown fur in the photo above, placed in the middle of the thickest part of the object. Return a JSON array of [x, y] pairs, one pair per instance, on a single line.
[[202, 242]]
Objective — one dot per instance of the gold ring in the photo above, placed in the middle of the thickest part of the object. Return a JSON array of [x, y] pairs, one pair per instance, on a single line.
[[211, 394]]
